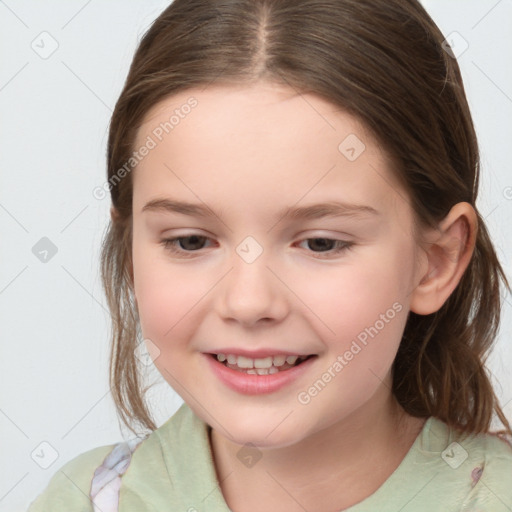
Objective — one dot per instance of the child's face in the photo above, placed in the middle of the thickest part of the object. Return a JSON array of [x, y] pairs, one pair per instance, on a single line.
[[262, 284]]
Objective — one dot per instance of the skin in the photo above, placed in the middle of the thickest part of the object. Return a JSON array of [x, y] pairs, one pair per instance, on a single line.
[[247, 152]]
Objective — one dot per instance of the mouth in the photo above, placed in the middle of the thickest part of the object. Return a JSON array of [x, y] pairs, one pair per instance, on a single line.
[[261, 366]]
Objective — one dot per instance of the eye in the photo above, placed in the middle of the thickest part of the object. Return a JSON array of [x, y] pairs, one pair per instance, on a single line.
[[186, 246], [170, 244], [324, 243]]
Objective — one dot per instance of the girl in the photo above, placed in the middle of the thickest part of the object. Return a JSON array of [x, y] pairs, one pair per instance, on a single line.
[[294, 235]]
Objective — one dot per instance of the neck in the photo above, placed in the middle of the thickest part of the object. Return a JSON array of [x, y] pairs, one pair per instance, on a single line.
[[334, 468]]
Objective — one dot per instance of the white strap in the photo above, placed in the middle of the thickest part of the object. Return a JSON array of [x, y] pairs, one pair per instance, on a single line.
[[106, 481]]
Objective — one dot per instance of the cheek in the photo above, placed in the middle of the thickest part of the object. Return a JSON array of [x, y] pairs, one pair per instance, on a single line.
[[164, 305], [165, 293], [355, 296], [364, 307]]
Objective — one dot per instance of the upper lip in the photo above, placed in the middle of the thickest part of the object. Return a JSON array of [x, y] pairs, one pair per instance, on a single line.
[[257, 354]]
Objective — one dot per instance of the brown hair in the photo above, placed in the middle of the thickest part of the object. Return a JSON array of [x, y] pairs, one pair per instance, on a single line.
[[384, 63]]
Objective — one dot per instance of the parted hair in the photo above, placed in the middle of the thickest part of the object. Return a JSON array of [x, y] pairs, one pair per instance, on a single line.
[[382, 61]]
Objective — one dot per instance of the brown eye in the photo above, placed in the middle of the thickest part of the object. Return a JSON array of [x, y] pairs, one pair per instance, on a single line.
[[184, 244], [328, 246]]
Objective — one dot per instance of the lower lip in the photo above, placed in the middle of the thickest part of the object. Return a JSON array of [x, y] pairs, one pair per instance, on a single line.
[[250, 384]]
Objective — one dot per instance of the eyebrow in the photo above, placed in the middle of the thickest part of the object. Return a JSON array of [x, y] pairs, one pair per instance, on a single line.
[[314, 211]]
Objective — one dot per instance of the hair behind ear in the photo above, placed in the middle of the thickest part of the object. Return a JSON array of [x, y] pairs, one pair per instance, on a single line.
[[440, 365]]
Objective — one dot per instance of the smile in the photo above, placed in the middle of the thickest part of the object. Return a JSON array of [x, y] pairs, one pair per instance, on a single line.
[[260, 366], [261, 375]]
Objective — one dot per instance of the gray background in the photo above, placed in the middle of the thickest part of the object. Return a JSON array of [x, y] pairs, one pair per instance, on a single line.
[[54, 113]]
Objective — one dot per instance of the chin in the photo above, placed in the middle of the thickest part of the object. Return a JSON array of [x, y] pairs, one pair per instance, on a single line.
[[264, 441], [264, 433]]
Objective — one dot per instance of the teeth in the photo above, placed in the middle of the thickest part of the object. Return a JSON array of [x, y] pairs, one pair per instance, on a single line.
[[245, 362], [263, 363], [279, 360], [260, 366]]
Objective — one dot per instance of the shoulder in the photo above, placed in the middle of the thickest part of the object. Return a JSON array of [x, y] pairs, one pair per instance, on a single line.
[[497, 455], [182, 436], [491, 450], [489, 461], [173, 469], [71, 484], [469, 472]]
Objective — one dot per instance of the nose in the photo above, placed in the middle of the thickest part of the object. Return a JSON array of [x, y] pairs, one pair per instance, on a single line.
[[252, 293]]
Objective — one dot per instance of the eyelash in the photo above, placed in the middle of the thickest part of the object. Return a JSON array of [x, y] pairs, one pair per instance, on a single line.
[[170, 245]]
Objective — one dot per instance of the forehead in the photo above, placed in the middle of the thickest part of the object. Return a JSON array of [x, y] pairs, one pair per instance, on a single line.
[[250, 106], [263, 136]]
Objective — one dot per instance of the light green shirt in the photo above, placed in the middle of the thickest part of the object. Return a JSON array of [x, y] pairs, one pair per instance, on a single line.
[[173, 470]]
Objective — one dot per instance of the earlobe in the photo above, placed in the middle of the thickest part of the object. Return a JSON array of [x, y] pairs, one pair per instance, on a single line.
[[448, 249], [114, 214]]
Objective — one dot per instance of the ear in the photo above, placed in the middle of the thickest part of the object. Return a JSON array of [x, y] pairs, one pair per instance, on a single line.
[[114, 214], [448, 252]]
